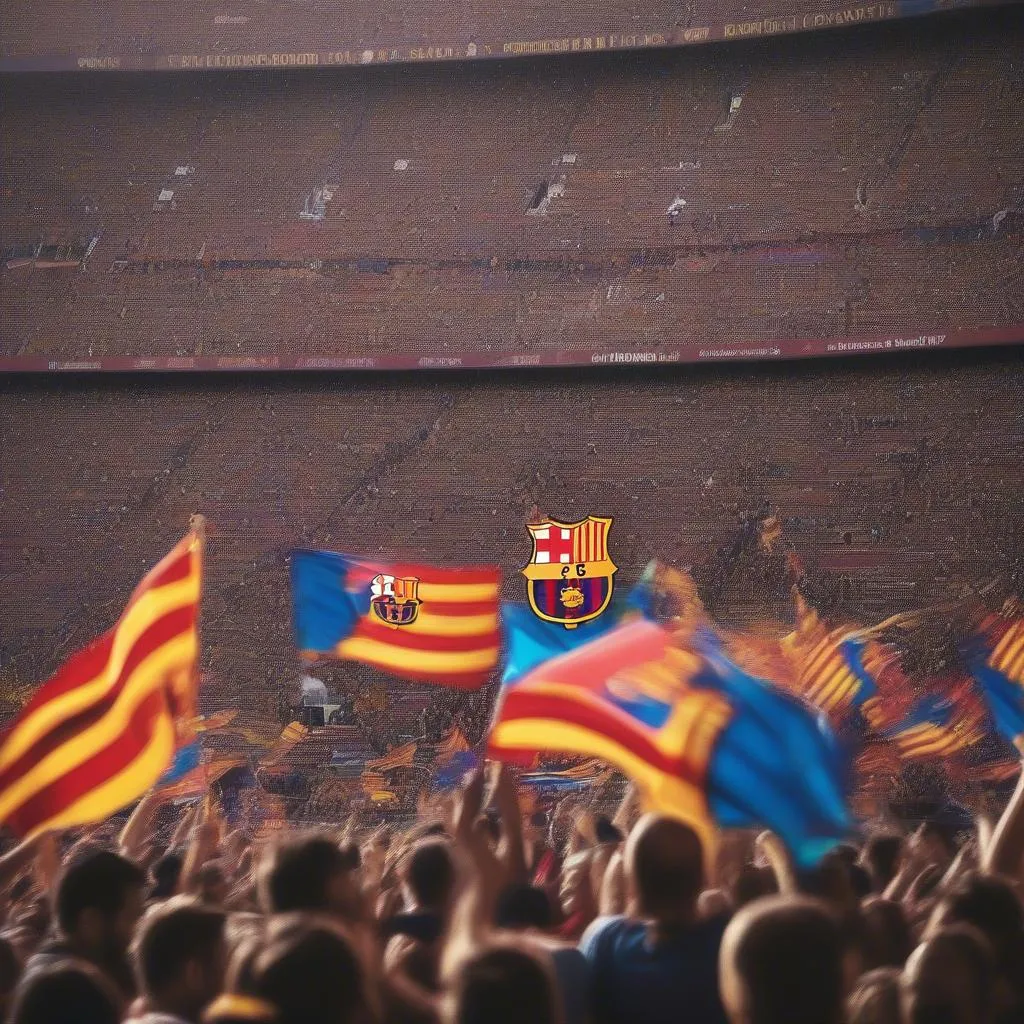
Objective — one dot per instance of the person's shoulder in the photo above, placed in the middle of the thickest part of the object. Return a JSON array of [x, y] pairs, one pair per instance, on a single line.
[[606, 930]]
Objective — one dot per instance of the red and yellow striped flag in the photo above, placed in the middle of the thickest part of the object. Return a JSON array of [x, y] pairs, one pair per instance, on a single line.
[[101, 731]]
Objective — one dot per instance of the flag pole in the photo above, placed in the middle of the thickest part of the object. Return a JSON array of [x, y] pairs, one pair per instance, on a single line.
[[197, 527]]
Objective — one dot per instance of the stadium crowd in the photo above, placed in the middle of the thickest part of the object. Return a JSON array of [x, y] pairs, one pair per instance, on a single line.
[[481, 914]]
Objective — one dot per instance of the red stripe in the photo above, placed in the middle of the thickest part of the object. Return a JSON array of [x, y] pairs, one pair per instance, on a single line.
[[82, 665], [454, 609], [431, 574], [174, 572], [455, 680], [155, 636], [85, 664], [420, 642], [103, 765], [523, 706]]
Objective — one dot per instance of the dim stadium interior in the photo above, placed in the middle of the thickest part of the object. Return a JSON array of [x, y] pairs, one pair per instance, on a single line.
[[628, 395]]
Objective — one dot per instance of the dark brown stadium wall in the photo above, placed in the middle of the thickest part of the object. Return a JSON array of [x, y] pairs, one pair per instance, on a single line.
[[103, 36], [848, 194]]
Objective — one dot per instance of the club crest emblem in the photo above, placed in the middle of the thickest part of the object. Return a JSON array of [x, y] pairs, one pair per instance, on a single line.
[[569, 576], [395, 599]]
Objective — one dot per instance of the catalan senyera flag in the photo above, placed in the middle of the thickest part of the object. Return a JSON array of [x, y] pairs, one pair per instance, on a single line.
[[995, 654], [102, 730], [415, 621], [401, 756], [938, 726], [291, 736], [834, 666]]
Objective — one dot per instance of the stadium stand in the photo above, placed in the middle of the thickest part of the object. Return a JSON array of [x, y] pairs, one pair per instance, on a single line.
[[827, 186], [895, 479], [69, 34]]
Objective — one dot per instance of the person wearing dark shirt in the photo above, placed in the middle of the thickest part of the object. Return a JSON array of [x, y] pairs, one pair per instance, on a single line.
[[783, 962], [100, 899], [428, 883], [662, 966]]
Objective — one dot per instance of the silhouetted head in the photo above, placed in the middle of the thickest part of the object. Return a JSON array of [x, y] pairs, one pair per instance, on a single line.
[[71, 992], [100, 899], [310, 973], [949, 979], [989, 904], [665, 865], [885, 934], [875, 998], [503, 984], [310, 873], [166, 872], [428, 874], [181, 957], [881, 856], [782, 963], [523, 906]]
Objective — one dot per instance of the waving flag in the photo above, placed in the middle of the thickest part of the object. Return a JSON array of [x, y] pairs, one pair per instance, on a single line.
[[622, 698], [186, 759], [777, 763], [580, 776], [831, 664], [102, 730], [996, 658], [936, 725], [415, 621], [291, 736], [398, 757], [704, 741], [198, 781], [530, 641]]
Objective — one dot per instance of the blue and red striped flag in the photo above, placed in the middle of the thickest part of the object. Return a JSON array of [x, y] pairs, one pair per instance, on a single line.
[[702, 739], [415, 621], [102, 731]]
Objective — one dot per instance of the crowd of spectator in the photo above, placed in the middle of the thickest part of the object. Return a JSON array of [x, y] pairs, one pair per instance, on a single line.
[[481, 914]]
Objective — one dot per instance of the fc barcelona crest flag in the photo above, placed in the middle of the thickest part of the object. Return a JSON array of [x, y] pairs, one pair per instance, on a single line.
[[569, 577]]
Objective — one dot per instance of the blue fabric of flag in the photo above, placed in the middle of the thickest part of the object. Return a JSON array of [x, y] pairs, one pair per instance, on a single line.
[[325, 612], [530, 641], [777, 763], [186, 759]]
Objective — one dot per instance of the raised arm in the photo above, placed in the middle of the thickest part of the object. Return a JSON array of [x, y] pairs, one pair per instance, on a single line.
[[136, 831], [774, 851], [510, 850], [1003, 854]]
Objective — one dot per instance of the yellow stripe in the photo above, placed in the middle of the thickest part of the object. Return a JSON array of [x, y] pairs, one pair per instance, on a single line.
[[690, 732], [693, 727], [929, 747], [1015, 667], [1005, 641], [1009, 650], [565, 737], [151, 606], [149, 675], [818, 656], [831, 680], [123, 788], [450, 625], [399, 658], [669, 795], [453, 593], [842, 693]]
